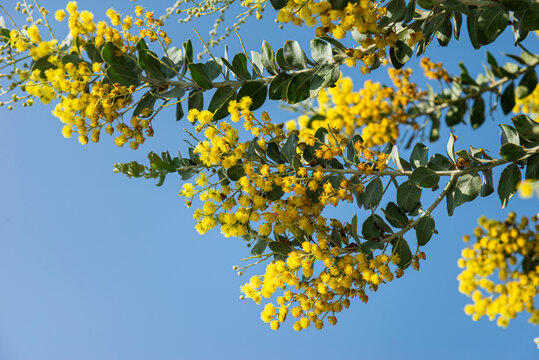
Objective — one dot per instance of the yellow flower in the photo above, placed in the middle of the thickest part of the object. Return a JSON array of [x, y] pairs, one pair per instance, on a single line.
[[71, 7], [60, 15], [526, 189], [33, 34]]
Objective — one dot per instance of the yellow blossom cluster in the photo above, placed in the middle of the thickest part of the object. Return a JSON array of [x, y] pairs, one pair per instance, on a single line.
[[375, 109], [88, 102], [528, 105], [501, 269], [238, 194], [312, 298], [527, 188], [434, 71], [246, 191], [360, 16]]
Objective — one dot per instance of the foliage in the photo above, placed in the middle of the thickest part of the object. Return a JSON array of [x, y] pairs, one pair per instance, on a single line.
[[271, 184]]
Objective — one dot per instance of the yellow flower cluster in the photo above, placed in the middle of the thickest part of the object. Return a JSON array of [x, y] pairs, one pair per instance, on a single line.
[[433, 70], [315, 298], [88, 102], [305, 189], [527, 188], [237, 189], [375, 109], [360, 16], [508, 251], [529, 105]]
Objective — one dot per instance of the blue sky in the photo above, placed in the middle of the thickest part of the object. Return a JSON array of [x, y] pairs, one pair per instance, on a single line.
[[97, 266]]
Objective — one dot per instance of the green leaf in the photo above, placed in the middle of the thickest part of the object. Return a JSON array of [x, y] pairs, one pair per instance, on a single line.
[[122, 75], [338, 4], [395, 216], [42, 64], [279, 247], [239, 64], [321, 51], [199, 76], [326, 75], [491, 23], [450, 201], [526, 85], [373, 194], [259, 247], [394, 154], [369, 246], [334, 42], [353, 228], [433, 23], [471, 22], [148, 61], [174, 62], [196, 100], [516, 5], [278, 4], [289, 147], [512, 152], [294, 55], [410, 11], [455, 113], [467, 188], [508, 98], [396, 9], [236, 172], [424, 177], [408, 196], [258, 68], [509, 135], [465, 77], [275, 194], [419, 156], [532, 168], [457, 6], [298, 88], [487, 185], [451, 147], [279, 56], [179, 111], [112, 54], [463, 154], [477, 114], [146, 102], [268, 58], [438, 162], [222, 95], [162, 165], [402, 52], [256, 91], [530, 19], [394, 60], [526, 128], [278, 86], [272, 150], [175, 93], [445, 31], [335, 237], [188, 51], [424, 229], [373, 227], [93, 52], [401, 248], [212, 69], [508, 185]]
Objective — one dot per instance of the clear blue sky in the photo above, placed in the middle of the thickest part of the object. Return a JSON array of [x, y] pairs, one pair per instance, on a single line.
[[96, 266]]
